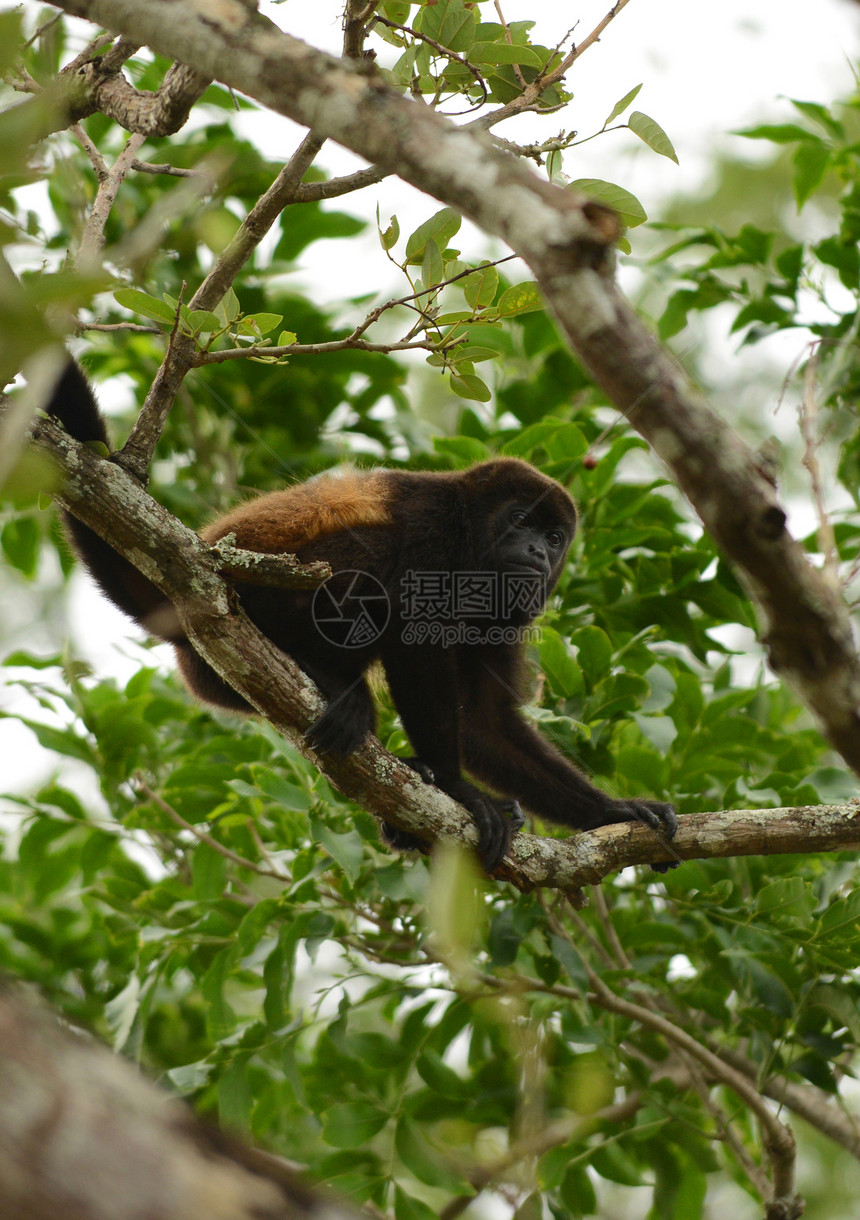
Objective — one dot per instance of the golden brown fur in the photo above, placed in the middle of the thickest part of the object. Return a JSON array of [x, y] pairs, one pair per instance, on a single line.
[[287, 520]]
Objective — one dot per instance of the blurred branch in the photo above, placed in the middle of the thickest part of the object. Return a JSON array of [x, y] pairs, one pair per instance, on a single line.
[[84, 1135]]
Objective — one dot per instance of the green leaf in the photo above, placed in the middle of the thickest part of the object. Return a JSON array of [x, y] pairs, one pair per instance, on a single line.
[[145, 305], [264, 322], [20, 540], [421, 1159], [202, 320], [594, 652], [472, 354], [520, 298], [440, 228], [481, 286], [777, 133], [209, 869], [841, 920], [622, 105], [644, 770], [468, 386], [789, 899], [840, 1006], [390, 236], [626, 205], [407, 1208], [432, 265], [31, 661], [121, 1011], [810, 164], [220, 1018], [559, 665], [613, 1163], [820, 114], [466, 449], [351, 1124], [652, 134], [449, 23], [437, 1075], [503, 53], [346, 849]]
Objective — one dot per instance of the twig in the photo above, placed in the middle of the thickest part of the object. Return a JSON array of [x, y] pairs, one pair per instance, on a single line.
[[518, 72], [350, 343], [551, 1136], [138, 449], [272, 571], [530, 97], [135, 327], [93, 238], [602, 909], [313, 192], [353, 341], [202, 837], [43, 29], [777, 1137], [754, 1172], [96, 159], [147, 167], [446, 51], [583, 46], [808, 1102]]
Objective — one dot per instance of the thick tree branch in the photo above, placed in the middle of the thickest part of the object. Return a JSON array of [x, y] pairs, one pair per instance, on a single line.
[[104, 497], [83, 1136], [806, 624], [93, 83]]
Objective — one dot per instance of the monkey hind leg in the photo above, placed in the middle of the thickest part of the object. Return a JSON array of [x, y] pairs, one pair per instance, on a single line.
[[349, 716], [202, 680]]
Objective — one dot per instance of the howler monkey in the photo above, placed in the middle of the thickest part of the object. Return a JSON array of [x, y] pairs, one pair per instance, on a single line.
[[434, 574]]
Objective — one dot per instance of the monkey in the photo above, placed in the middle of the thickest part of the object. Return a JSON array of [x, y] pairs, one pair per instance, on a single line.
[[435, 574]]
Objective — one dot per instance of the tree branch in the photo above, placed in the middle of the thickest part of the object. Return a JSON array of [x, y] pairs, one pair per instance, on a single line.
[[84, 1135], [104, 497], [91, 83]]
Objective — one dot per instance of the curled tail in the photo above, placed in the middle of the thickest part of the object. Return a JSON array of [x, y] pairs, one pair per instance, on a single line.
[[74, 405]]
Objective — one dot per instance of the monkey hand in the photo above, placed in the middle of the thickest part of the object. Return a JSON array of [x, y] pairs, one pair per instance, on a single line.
[[497, 821], [656, 815]]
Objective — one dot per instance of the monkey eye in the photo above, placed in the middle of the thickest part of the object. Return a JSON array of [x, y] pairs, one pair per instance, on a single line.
[[555, 538], [518, 517]]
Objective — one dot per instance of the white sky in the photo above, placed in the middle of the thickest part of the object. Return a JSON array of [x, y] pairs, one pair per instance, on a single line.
[[706, 70]]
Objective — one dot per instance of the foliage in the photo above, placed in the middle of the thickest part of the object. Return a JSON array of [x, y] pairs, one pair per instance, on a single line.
[[197, 894]]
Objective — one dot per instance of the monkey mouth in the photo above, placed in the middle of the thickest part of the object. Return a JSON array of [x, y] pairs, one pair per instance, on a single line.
[[529, 567]]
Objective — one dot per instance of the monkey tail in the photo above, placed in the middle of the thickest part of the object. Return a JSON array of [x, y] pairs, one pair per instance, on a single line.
[[74, 405]]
